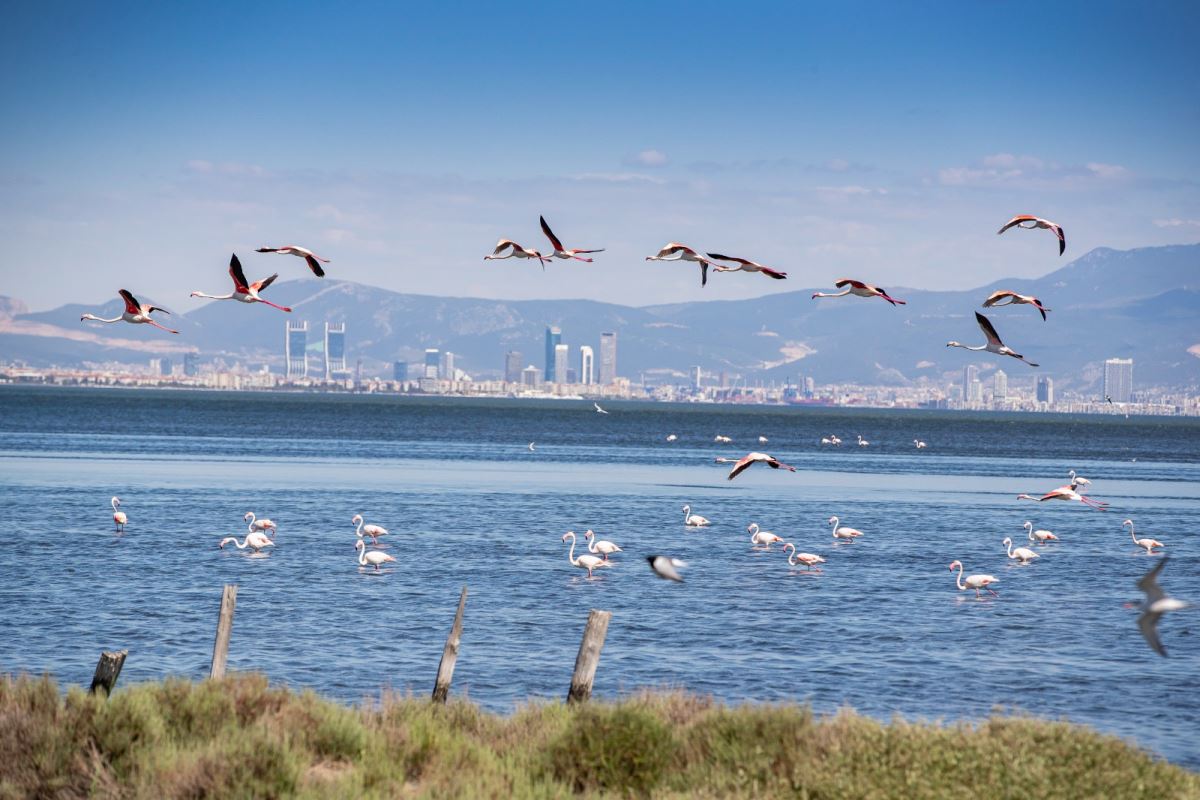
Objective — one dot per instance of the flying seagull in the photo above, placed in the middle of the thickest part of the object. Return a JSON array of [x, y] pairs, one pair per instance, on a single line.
[[1156, 604], [667, 567], [531, 447], [1030, 222], [559, 251], [995, 298], [599, 410], [994, 345], [309, 256]]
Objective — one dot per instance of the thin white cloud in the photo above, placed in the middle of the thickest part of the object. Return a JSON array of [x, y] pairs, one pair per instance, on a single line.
[[617, 177], [648, 158], [1176, 222], [1009, 169]]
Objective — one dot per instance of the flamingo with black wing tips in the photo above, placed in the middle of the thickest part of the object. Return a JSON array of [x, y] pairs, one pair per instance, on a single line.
[[309, 256], [243, 290], [858, 289], [745, 265], [135, 313], [559, 250], [1155, 605], [994, 345], [1069, 493], [995, 298], [1030, 222], [748, 460], [507, 248], [674, 251]]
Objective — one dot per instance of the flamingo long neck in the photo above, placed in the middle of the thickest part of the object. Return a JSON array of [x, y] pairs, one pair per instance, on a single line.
[[591, 540], [213, 296], [791, 554], [958, 577], [241, 545], [358, 530], [836, 294], [1131, 535], [1029, 529], [571, 555], [115, 502], [968, 347], [1010, 554], [94, 318], [834, 522], [362, 554], [250, 527]]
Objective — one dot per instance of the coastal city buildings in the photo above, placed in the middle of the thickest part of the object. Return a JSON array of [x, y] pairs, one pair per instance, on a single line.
[[295, 349], [587, 366], [553, 340], [999, 385], [433, 362], [1118, 380], [335, 351], [608, 358], [1045, 390], [559, 374], [512, 366]]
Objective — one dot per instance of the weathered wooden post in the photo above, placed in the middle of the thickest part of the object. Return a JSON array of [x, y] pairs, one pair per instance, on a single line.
[[224, 629], [108, 668], [589, 656], [445, 673]]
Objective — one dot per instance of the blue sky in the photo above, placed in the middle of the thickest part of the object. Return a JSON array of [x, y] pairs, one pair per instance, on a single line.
[[142, 143]]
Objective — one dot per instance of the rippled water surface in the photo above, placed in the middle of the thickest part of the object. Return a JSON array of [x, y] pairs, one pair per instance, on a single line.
[[882, 628]]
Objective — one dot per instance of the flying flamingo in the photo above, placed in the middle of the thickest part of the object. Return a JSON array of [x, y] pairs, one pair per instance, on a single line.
[[1030, 222], [559, 251], [1077, 480], [242, 290], [374, 531], [309, 256], [1022, 554], [1155, 605], [993, 345], [744, 265], [674, 251], [1068, 493], [513, 250], [585, 561], [602, 546], [257, 524], [745, 462], [858, 289], [371, 557], [975, 582], [761, 537], [843, 532], [1026, 497], [255, 541], [135, 313], [1013, 299], [1148, 544], [1041, 537], [807, 559], [119, 518], [694, 520]]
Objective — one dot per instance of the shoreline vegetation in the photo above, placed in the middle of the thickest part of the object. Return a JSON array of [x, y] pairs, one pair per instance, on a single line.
[[241, 737]]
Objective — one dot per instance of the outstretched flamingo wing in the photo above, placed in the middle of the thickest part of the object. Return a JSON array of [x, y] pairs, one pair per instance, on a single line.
[[842, 282], [775, 463], [773, 273], [314, 266], [264, 283], [996, 297], [741, 466], [986, 326], [1017, 220], [550, 235], [1062, 239], [720, 257], [239, 277]]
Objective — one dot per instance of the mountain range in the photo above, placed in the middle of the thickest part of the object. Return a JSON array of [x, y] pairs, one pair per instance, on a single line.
[[1142, 304]]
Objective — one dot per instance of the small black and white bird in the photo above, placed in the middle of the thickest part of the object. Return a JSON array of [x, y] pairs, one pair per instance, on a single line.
[[666, 567], [746, 461], [1156, 604]]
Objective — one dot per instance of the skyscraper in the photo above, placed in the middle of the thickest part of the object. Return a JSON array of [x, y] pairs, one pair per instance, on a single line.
[[970, 373], [1000, 385], [587, 365], [608, 357], [191, 364], [400, 371], [695, 373], [295, 349], [1118, 379], [1045, 391], [531, 376], [335, 350], [553, 339], [446, 366], [433, 361], [512, 367], [561, 353]]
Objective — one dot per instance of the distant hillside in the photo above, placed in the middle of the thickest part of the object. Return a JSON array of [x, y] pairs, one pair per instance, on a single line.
[[1141, 303]]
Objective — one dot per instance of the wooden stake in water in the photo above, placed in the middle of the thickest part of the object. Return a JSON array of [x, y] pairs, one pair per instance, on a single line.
[[108, 668], [224, 629], [589, 656], [445, 673]]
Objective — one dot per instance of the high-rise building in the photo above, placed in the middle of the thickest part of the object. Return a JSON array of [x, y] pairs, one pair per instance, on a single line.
[[335, 350], [433, 361], [295, 349], [975, 391], [572, 375], [191, 364], [587, 365], [164, 366], [970, 373], [608, 357], [810, 386], [1045, 390], [512, 367], [562, 352], [695, 373], [1118, 379], [553, 340], [446, 366], [400, 371], [1000, 385], [531, 376]]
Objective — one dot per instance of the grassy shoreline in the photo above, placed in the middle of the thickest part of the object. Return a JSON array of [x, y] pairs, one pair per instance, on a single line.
[[242, 737]]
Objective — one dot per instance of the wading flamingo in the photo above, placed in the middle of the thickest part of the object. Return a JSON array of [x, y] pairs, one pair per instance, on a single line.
[[765, 538], [1022, 554], [746, 461], [762, 440], [975, 582], [559, 250], [722, 439], [858, 289], [666, 567], [135, 313], [119, 518], [993, 344], [371, 557], [671, 437], [601, 546], [745, 265], [863, 442], [995, 298], [1041, 537], [1078, 480], [507, 248], [585, 561], [674, 251], [1147, 544], [1030, 222], [1155, 605], [807, 559], [920, 445], [309, 256], [843, 532], [255, 541], [244, 291], [257, 524], [694, 520], [374, 531]]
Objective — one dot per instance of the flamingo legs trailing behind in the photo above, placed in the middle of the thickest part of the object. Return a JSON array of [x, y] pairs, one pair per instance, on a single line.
[[309, 256], [135, 313], [244, 291]]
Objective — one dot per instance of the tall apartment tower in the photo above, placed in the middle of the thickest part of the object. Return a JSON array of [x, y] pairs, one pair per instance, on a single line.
[[695, 373], [433, 361], [587, 365], [608, 357], [512, 367], [335, 350], [970, 374], [446, 366], [562, 352], [1000, 385], [1045, 391], [553, 340], [1118, 379], [295, 349]]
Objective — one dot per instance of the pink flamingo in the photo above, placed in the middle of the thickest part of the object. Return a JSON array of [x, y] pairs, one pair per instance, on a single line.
[[135, 313], [243, 290]]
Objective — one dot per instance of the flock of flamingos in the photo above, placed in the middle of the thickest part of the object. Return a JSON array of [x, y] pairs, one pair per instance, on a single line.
[[259, 531]]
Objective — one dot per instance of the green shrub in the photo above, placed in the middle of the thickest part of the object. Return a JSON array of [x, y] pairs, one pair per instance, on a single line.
[[624, 748]]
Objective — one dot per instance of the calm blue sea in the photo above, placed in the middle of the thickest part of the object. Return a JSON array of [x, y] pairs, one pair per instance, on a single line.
[[882, 629]]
